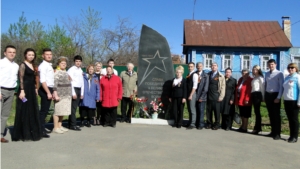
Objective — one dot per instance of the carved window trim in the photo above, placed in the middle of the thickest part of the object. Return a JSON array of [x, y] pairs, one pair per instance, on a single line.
[[250, 60], [223, 61]]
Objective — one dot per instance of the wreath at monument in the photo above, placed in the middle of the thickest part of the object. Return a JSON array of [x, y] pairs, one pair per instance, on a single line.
[[140, 108]]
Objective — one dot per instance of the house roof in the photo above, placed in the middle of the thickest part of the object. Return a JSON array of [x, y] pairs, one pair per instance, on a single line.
[[267, 34]]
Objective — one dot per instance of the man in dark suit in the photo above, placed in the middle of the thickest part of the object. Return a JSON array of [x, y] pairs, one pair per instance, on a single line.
[[201, 95], [215, 95], [228, 107]]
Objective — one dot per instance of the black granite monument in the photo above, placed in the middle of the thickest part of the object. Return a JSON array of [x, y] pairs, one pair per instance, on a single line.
[[155, 67]]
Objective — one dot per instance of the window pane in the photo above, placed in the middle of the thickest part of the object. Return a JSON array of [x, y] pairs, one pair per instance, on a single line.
[[227, 56], [209, 56], [246, 57]]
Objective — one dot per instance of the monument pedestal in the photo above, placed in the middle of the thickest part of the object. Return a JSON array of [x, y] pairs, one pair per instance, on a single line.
[[151, 121]]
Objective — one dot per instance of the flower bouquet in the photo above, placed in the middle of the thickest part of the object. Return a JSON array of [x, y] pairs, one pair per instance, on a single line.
[[156, 108], [140, 108]]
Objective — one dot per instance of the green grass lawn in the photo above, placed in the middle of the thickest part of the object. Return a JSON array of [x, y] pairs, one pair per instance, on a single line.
[[264, 114]]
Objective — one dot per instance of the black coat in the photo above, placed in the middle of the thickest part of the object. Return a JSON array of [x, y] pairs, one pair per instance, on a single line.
[[227, 108], [202, 87]]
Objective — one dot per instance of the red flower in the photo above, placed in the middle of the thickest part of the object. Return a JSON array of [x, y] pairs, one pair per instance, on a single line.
[[146, 108]]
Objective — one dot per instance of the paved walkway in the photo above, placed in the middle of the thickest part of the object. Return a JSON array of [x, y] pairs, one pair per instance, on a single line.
[[134, 146]]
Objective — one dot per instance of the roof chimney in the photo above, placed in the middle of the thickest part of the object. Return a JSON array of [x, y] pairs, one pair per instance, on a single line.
[[286, 27]]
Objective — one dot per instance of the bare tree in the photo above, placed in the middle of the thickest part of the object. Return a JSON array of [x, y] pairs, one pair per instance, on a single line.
[[121, 43]]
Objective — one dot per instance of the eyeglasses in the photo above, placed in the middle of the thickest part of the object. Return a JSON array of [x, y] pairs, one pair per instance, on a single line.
[[291, 67]]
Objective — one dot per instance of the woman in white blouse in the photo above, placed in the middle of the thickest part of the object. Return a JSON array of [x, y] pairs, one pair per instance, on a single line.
[[257, 96]]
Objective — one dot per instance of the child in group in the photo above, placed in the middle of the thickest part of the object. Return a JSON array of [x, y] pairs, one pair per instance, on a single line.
[[91, 96]]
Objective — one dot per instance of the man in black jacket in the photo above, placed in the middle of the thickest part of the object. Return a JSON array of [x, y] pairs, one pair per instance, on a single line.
[[201, 95], [228, 107]]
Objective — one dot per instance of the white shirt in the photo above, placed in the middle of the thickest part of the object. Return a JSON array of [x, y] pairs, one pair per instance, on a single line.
[[258, 85], [46, 73], [8, 73], [89, 81], [76, 75], [195, 80], [103, 72], [177, 81]]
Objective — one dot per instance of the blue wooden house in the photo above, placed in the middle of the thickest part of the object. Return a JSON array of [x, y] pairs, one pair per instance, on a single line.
[[236, 44]]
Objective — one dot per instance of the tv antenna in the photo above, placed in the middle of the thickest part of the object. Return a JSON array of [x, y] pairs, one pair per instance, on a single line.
[[194, 8]]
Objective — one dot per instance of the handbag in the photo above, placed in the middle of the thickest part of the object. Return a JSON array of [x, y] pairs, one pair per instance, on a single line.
[[237, 117]]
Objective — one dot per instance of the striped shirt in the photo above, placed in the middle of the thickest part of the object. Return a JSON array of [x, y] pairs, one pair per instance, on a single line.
[[273, 82]]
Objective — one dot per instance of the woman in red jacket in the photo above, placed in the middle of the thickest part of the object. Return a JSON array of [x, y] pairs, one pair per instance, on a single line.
[[243, 99], [110, 96]]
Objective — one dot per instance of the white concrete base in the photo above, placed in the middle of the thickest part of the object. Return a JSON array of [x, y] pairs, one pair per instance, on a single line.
[[151, 121]]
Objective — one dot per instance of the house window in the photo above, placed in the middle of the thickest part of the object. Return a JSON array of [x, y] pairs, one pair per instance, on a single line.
[[246, 62], [208, 59], [264, 62], [226, 61], [297, 60]]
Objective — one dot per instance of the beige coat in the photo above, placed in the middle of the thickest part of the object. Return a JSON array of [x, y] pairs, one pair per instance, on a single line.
[[221, 86], [129, 83]]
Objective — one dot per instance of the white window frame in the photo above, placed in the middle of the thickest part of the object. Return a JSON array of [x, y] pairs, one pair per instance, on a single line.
[[250, 60], [205, 66], [294, 57], [261, 61], [223, 61]]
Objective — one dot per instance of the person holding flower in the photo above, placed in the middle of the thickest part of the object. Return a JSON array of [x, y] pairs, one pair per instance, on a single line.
[[178, 95], [62, 93]]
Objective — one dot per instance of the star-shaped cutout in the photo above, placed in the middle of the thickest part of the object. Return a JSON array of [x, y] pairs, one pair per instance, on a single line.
[[151, 66]]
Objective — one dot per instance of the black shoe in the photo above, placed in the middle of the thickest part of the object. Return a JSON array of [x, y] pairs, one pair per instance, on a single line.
[[45, 135], [270, 135], [105, 125], [255, 132], [47, 132], [242, 130], [190, 127], [292, 140], [122, 121], [88, 124], [113, 126], [75, 128], [82, 124], [227, 129], [179, 126], [186, 125], [215, 128], [208, 127], [199, 128], [175, 126], [276, 137]]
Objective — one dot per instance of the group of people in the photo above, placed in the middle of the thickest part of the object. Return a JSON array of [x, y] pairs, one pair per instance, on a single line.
[[221, 94], [97, 92]]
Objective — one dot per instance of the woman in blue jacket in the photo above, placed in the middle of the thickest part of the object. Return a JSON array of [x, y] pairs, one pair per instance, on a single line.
[[91, 96], [291, 96]]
